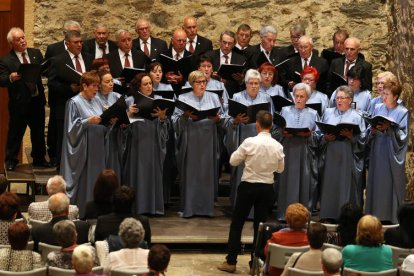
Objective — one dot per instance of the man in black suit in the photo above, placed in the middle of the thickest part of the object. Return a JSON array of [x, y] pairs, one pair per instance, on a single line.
[[243, 36], [60, 46], [338, 49], [296, 64], [146, 43], [226, 55], [351, 58], [101, 45], [61, 87], [126, 56], [196, 44], [26, 100], [268, 35], [59, 207]]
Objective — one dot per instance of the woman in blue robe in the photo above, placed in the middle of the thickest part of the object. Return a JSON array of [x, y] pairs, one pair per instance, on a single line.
[[388, 143], [83, 150], [269, 84], [298, 182], [197, 149], [341, 158], [310, 76], [145, 151]]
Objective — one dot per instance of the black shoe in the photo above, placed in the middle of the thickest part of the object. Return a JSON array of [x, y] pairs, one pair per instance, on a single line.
[[11, 165], [41, 163]]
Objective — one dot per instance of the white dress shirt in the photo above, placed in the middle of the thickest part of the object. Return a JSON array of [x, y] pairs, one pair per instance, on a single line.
[[82, 63], [122, 58]]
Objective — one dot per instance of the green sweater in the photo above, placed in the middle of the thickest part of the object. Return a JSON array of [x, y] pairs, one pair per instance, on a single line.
[[364, 258]]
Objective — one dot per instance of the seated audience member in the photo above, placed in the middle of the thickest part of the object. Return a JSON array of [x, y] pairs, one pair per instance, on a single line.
[[3, 184], [59, 207], [132, 233], [296, 216], [9, 208], [368, 254], [65, 235], [83, 261], [347, 225], [107, 225], [309, 260], [40, 210], [403, 235], [158, 260], [331, 262], [103, 192], [16, 257], [408, 263]]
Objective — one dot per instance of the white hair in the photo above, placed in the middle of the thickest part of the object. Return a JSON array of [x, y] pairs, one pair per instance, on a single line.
[[10, 33]]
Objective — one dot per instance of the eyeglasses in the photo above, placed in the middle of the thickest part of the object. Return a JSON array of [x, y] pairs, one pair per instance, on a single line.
[[270, 74], [201, 82], [342, 98]]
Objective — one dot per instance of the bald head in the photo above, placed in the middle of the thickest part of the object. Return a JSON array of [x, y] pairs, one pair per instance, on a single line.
[[179, 40], [352, 48], [143, 29], [190, 26]]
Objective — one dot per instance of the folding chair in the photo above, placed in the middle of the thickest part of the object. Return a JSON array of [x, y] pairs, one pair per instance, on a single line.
[[353, 272]]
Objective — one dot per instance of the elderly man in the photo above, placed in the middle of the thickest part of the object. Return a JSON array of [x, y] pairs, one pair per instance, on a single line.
[[40, 210], [26, 100], [331, 262], [196, 44], [62, 88], [59, 207], [243, 36], [262, 156], [146, 43], [101, 45], [268, 35], [60, 46], [296, 64], [126, 56], [342, 65]]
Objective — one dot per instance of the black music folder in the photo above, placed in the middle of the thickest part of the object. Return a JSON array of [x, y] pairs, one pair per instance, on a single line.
[[336, 129], [200, 113], [167, 94], [30, 72], [146, 105], [129, 73], [183, 65], [218, 92], [375, 120], [281, 122], [117, 110], [279, 102], [227, 70], [236, 108], [315, 106], [71, 75]]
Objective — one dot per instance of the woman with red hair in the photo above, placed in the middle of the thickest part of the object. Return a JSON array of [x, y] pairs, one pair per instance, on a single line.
[[310, 76], [268, 84]]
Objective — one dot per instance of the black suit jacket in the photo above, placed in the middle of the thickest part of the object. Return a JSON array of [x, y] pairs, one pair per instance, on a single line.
[[44, 232], [338, 66], [19, 92], [90, 48], [158, 46], [253, 53], [55, 49], [295, 65], [193, 66], [109, 225], [203, 45], [139, 59], [289, 51]]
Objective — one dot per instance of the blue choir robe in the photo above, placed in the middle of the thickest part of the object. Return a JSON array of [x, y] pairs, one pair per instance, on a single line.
[[341, 165], [273, 90], [319, 97], [361, 100], [386, 171], [83, 150], [146, 147], [298, 182], [378, 100], [197, 155], [163, 87]]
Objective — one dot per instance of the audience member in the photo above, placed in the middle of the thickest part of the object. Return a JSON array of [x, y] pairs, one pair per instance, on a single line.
[[309, 260], [16, 257], [331, 262], [158, 260], [132, 233], [368, 254], [9, 208], [101, 45], [40, 210], [151, 46], [83, 261], [196, 44], [403, 235], [408, 263]]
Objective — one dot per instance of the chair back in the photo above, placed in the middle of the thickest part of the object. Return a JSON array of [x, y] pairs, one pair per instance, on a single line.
[[300, 272], [405, 272], [36, 272], [330, 245], [56, 271], [128, 271], [278, 255], [389, 226], [45, 249], [352, 272], [399, 254], [102, 250]]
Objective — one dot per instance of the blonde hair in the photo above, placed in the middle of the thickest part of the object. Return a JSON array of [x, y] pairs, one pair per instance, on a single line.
[[82, 259], [369, 231]]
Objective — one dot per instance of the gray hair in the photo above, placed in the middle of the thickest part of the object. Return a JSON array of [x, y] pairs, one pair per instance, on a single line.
[[131, 232], [302, 86], [65, 233], [194, 76], [83, 259], [252, 74], [331, 260], [346, 89], [10, 33], [305, 39], [70, 34], [100, 25], [120, 32], [69, 23], [268, 29], [298, 29], [58, 204], [229, 33], [56, 184]]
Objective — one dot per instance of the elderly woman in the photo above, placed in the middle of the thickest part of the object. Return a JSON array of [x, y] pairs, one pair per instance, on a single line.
[[238, 128], [131, 233], [362, 96], [16, 257], [146, 138], [341, 157], [310, 76], [83, 261], [83, 151], [197, 152], [9, 208], [368, 254], [269, 85], [382, 79], [388, 144], [298, 182]]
